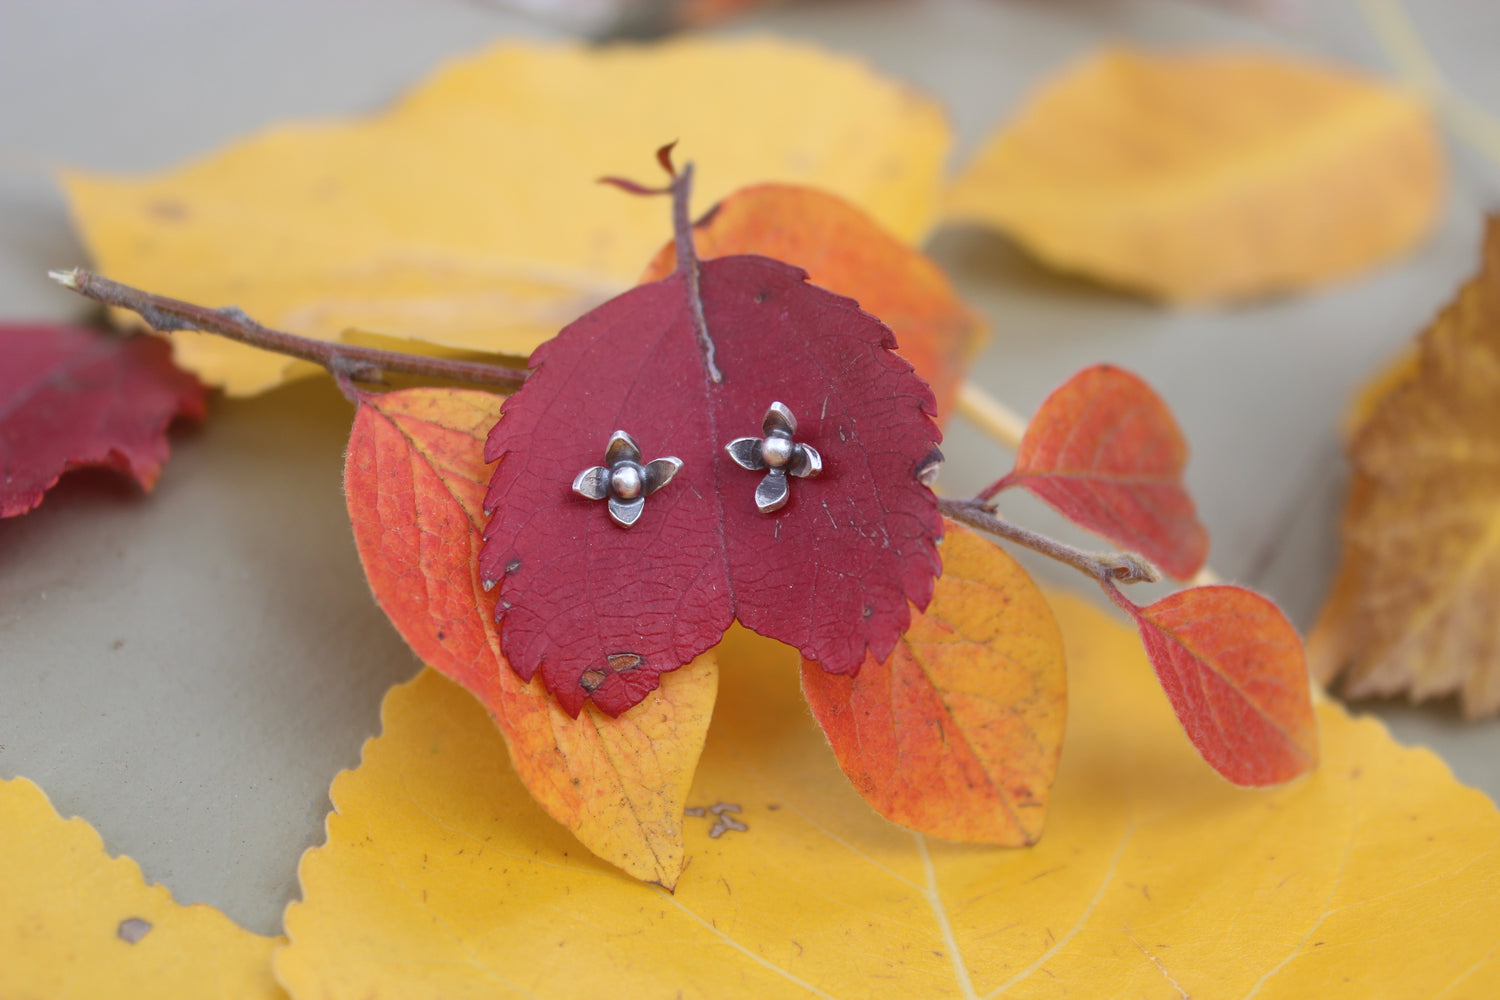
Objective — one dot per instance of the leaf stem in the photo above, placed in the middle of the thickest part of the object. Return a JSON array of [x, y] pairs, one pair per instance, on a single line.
[[1005, 482], [687, 263], [1122, 602], [345, 361], [1106, 567]]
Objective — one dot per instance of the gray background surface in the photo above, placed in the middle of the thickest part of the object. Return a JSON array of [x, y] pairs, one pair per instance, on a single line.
[[188, 671]]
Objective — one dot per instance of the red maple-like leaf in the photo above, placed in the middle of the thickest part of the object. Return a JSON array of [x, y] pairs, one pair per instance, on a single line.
[[1234, 670], [73, 396], [603, 610], [1105, 451]]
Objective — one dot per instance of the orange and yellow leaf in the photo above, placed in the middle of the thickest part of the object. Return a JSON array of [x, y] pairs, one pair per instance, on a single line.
[[958, 733], [415, 481]]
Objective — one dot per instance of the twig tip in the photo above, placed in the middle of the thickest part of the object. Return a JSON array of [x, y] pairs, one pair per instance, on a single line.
[[68, 278]]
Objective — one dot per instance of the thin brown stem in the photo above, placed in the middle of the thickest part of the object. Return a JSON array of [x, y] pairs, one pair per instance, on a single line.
[[364, 364], [990, 491], [687, 263], [1122, 602], [1119, 567]]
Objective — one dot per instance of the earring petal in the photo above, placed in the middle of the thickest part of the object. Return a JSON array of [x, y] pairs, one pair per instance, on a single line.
[[626, 512], [622, 448], [927, 472], [746, 453], [592, 483], [772, 493], [806, 462], [659, 472], [779, 418]]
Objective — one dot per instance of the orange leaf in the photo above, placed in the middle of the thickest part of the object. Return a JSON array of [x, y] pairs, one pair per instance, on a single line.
[[957, 734], [1105, 451], [415, 481], [847, 252], [1413, 608], [1209, 176], [1233, 669]]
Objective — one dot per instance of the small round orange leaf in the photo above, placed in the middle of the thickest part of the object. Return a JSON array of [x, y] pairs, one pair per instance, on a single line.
[[1105, 451], [1235, 673]]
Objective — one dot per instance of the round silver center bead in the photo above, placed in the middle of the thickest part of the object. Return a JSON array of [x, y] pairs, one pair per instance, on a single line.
[[625, 481], [776, 450]]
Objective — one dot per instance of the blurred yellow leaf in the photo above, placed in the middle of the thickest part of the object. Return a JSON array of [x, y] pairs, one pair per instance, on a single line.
[[1209, 176], [1397, 372], [1377, 875], [468, 215], [76, 923], [1413, 607]]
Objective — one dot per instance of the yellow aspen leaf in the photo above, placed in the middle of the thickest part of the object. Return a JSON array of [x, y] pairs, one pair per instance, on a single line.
[[1376, 875], [468, 215], [1413, 606], [1209, 176], [77, 923]]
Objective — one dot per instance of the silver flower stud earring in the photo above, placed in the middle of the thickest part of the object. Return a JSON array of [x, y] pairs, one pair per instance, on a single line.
[[624, 480], [778, 454]]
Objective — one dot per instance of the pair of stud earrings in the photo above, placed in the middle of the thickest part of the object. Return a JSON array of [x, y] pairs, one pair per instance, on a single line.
[[626, 482]]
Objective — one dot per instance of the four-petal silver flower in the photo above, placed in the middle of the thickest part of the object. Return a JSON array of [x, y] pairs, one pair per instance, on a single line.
[[624, 480], [778, 454]]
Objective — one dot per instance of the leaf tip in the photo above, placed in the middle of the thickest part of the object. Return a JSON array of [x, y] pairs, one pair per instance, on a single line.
[[664, 157]]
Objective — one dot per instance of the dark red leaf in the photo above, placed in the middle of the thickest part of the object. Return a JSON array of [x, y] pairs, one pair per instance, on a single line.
[[602, 610], [72, 396], [1234, 671], [1105, 451]]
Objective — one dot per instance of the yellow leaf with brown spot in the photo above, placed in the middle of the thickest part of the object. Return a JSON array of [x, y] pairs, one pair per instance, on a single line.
[[1376, 875], [845, 250], [468, 215], [77, 923], [1413, 606], [1210, 176]]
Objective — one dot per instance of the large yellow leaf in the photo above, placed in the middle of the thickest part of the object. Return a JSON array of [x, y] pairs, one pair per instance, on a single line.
[[1209, 176], [76, 923], [1377, 875], [1413, 607], [468, 215]]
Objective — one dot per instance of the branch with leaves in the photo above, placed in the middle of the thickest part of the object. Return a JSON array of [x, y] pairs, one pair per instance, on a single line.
[[767, 458]]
